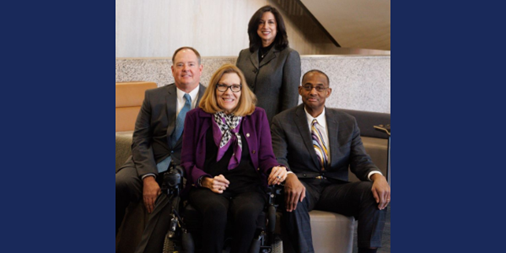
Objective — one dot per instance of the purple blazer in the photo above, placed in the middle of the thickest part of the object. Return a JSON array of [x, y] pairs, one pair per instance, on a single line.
[[255, 129]]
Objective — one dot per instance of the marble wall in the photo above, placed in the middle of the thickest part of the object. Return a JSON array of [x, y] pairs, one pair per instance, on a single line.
[[359, 82]]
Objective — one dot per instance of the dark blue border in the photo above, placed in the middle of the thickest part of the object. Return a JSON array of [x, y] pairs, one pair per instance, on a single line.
[[447, 113], [58, 126]]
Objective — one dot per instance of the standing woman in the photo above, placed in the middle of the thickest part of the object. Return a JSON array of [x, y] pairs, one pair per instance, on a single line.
[[271, 68], [228, 159]]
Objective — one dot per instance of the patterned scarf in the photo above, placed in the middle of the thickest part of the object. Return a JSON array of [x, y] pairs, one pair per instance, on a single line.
[[225, 134]]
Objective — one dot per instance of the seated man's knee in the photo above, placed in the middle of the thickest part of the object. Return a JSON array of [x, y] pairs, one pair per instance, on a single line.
[[364, 186], [128, 184], [364, 190], [122, 181], [302, 206]]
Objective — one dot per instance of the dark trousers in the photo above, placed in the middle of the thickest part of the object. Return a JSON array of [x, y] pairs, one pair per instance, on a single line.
[[349, 199], [243, 208], [158, 225], [128, 190]]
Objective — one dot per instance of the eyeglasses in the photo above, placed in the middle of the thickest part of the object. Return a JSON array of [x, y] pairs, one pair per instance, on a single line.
[[233, 88], [308, 87]]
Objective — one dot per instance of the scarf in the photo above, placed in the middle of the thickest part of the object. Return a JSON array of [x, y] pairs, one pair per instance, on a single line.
[[226, 134]]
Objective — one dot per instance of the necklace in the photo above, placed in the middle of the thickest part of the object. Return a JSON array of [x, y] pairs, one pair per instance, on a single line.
[[263, 52]]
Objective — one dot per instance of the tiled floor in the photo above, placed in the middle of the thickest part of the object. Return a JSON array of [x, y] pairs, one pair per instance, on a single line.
[[385, 240]]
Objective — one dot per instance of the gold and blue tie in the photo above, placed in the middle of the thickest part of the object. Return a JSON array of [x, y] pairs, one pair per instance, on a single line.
[[319, 144]]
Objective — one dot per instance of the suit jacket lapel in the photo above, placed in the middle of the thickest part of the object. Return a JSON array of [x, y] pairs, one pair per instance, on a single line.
[[333, 128], [301, 123], [253, 57], [171, 98], [273, 53], [202, 90]]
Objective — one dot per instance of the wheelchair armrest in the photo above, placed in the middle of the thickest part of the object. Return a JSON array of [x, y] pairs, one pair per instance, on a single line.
[[173, 180], [275, 194], [180, 169]]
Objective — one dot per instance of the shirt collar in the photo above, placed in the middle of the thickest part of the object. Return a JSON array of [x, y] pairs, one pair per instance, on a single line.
[[193, 94], [322, 120]]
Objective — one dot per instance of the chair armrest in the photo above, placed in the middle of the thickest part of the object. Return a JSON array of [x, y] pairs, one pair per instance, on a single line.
[[123, 147]]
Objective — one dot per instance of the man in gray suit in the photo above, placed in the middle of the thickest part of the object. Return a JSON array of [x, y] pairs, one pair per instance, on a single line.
[[157, 144], [319, 144]]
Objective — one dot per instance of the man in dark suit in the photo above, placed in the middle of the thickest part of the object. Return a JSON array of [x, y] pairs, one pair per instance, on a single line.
[[157, 144], [319, 144]]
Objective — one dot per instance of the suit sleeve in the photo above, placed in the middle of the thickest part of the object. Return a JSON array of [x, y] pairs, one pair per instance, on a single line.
[[291, 80], [189, 149], [243, 64], [360, 162], [279, 145], [266, 156], [238, 59], [142, 153]]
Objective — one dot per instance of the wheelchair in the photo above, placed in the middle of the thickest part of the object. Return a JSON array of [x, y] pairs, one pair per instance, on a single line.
[[180, 239]]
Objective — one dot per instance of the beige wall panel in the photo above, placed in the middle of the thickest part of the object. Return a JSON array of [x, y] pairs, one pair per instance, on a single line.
[[354, 23], [156, 28]]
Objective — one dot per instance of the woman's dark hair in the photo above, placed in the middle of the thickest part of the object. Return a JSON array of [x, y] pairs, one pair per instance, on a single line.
[[281, 40]]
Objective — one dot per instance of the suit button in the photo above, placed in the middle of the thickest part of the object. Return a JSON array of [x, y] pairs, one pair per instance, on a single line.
[[253, 151], [258, 169], [247, 135]]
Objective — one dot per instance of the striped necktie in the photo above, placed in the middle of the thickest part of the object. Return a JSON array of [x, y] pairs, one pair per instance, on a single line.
[[319, 144]]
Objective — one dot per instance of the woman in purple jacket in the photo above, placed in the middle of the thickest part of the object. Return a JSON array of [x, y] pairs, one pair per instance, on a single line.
[[228, 159]]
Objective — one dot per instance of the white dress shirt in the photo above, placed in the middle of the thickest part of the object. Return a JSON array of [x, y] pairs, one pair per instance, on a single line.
[[181, 101], [322, 122]]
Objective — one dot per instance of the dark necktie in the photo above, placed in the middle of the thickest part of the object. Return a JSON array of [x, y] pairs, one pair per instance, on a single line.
[[319, 144], [180, 119]]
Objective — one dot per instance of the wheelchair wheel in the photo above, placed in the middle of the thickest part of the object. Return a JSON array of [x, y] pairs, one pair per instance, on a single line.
[[169, 246], [277, 245]]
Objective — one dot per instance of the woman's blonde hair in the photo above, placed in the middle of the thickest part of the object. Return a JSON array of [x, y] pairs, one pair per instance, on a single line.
[[247, 101]]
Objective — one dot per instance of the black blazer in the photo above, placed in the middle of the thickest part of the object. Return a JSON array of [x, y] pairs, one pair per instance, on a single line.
[[275, 80], [292, 145], [153, 128]]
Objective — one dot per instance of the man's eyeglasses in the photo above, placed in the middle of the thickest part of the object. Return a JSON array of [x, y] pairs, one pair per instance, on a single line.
[[318, 88], [233, 88]]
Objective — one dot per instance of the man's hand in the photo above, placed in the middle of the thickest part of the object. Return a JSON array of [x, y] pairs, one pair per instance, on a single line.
[[278, 175], [217, 184], [380, 190], [150, 192], [295, 192]]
